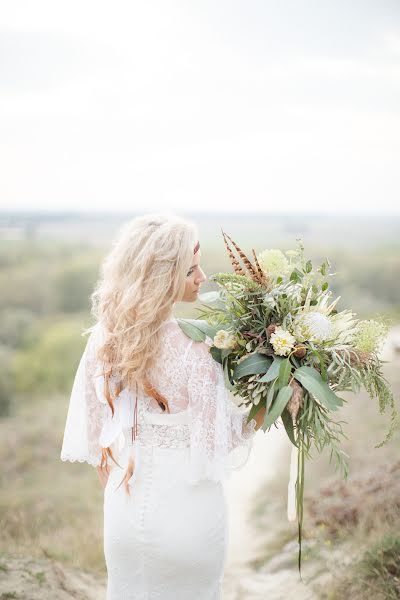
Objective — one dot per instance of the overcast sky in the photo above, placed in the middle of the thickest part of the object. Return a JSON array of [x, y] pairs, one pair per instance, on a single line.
[[264, 105]]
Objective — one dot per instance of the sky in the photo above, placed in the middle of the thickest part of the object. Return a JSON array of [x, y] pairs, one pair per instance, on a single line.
[[211, 105]]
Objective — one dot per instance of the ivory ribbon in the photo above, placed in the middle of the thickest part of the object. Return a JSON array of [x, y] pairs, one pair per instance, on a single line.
[[291, 505]]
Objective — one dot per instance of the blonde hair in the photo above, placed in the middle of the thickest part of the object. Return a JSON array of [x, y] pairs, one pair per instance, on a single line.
[[141, 278]]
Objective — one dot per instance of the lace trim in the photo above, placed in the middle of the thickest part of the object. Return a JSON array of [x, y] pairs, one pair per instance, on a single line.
[[161, 436], [90, 461]]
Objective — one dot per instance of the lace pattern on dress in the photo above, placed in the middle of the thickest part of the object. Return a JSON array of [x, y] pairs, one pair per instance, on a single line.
[[217, 433], [87, 411], [161, 436]]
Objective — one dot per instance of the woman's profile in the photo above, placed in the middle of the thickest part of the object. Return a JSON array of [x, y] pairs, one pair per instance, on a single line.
[[150, 411]]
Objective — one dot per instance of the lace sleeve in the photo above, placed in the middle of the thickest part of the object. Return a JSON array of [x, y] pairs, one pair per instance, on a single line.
[[221, 440], [87, 411]]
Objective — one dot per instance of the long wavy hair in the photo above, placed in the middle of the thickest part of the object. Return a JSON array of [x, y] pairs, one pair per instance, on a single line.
[[141, 279]]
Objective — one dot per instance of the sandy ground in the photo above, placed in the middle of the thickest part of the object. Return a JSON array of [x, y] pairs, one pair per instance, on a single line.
[[277, 580]]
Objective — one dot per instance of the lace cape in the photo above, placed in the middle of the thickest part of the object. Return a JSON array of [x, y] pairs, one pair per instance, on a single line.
[[219, 437]]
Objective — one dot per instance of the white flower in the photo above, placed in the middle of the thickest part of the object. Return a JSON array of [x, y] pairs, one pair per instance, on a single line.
[[273, 262], [313, 326], [282, 341], [224, 340], [344, 326]]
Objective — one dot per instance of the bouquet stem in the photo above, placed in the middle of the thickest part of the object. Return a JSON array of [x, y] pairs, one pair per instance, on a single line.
[[300, 490]]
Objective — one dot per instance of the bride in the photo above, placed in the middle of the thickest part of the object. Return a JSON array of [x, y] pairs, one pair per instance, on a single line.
[[150, 411]]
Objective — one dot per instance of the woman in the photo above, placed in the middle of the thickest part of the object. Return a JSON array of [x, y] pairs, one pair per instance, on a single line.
[[149, 409]]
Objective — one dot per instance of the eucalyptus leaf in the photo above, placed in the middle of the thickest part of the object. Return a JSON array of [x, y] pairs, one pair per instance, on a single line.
[[288, 424], [225, 352], [271, 393], [212, 298], [294, 277], [216, 353], [229, 363], [273, 371], [227, 379], [313, 382], [197, 329], [281, 400], [284, 372], [253, 364], [194, 332]]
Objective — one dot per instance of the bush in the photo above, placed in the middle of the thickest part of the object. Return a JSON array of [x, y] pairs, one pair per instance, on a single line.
[[48, 364], [74, 284], [14, 324], [6, 388]]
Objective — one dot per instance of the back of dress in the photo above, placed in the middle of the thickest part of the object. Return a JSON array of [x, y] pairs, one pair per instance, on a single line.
[[184, 373], [168, 538]]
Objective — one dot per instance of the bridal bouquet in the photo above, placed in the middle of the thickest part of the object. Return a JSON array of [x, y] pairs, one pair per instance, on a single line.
[[284, 346]]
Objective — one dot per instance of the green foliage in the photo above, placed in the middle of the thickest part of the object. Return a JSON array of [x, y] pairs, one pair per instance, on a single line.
[[380, 567], [6, 388], [274, 369], [375, 575], [312, 381], [197, 329], [278, 406], [73, 285], [49, 362], [232, 279], [377, 386], [14, 324], [44, 278], [255, 363]]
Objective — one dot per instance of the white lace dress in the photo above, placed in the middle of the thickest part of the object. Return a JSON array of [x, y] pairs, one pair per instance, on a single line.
[[168, 539]]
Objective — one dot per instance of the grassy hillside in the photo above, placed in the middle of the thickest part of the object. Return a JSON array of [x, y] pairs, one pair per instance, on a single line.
[[54, 510]]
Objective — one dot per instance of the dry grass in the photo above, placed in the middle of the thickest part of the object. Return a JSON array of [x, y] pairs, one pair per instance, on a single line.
[[47, 507]]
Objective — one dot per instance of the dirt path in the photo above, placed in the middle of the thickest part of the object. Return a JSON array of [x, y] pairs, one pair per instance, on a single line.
[[277, 580], [39, 579]]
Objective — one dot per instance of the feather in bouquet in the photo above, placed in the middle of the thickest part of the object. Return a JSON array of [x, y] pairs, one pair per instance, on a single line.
[[284, 346]]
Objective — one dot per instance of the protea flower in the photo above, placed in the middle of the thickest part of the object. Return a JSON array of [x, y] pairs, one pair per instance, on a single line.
[[313, 326], [316, 322]]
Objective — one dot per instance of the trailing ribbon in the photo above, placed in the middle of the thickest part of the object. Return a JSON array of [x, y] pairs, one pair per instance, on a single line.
[[291, 502], [131, 472], [133, 460]]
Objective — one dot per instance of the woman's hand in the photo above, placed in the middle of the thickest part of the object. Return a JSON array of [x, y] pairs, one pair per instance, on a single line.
[[103, 475]]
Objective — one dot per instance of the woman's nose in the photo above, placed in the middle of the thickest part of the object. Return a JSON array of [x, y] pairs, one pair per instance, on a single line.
[[202, 276]]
